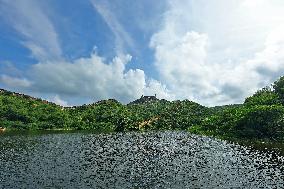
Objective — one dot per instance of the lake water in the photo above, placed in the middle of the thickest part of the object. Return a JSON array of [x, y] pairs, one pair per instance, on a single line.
[[134, 160]]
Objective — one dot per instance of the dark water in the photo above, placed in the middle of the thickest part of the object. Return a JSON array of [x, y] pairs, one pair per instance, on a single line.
[[134, 160]]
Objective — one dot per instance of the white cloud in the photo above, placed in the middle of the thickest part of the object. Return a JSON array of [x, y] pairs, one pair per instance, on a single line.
[[94, 78], [217, 52], [181, 64], [122, 38], [154, 87], [9, 67], [90, 78], [57, 100], [212, 52], [14, 82], [39, 35]]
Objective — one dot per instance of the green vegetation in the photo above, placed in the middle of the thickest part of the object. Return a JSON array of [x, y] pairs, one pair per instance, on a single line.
[[260, 117]]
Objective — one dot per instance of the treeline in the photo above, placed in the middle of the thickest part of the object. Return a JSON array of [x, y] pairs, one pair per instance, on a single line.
[[260, 116]]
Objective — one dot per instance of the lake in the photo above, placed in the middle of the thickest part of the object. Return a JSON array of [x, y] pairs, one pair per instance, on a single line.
[[168, 159]]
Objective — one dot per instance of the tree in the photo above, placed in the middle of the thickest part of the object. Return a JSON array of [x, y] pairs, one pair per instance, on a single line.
[[278, 87], [262, 121], [265, 96]]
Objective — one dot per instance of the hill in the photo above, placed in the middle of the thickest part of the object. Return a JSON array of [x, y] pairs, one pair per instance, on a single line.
[[145, 99], [261, 116]]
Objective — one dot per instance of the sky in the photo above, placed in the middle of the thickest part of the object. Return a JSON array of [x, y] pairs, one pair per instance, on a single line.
[[77, 52]]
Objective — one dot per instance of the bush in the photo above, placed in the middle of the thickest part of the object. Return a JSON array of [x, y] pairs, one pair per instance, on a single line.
[[223, 122], [262, 121], [278, 87], [264, 96]]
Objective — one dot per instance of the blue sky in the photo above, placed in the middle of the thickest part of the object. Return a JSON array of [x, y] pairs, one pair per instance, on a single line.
[[74, 52]]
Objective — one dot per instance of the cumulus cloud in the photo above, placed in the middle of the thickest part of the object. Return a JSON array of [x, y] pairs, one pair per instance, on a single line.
[[222, 55], [157, 88], [90, 78], [94, 78], [212, 52], [181, 63]]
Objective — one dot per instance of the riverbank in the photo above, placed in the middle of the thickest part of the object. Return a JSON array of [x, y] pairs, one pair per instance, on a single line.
[[265, 145]]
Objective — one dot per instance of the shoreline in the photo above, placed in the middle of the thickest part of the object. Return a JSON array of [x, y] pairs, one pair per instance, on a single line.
[[259, 144]]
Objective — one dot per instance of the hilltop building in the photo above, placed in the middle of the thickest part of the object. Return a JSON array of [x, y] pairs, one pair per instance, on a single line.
[[145, 99]]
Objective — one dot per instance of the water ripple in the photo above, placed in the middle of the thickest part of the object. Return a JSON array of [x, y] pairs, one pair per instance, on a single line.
[[171, 159]]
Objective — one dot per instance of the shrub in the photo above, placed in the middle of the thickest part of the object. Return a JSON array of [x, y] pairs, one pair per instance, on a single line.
[[262, 121], [264, 96]]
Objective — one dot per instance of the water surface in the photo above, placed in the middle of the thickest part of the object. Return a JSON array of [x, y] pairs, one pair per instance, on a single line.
[[171, 159]]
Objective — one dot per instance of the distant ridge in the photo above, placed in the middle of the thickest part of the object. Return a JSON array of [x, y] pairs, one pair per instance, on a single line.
[[142, 100], [101, 102], [6, 92], [27, 97]]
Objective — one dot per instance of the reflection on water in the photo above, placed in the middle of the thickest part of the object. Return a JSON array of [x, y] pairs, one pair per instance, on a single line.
[[134, 160]]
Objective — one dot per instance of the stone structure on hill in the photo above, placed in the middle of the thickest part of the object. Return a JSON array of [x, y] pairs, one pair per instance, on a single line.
[[145, 99]]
